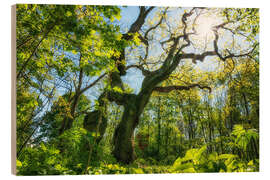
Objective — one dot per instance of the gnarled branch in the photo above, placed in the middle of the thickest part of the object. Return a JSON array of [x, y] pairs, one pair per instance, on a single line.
[[136, 26], [154, 27], [199, 57], [118, 97], [172, 88], [231, 55], [140, 67]]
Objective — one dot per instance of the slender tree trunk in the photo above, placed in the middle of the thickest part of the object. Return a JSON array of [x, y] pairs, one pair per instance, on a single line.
[[148, 136], [159, 128], [190, 121], [210, 137], [167, 138], [232, 111], [203, 131], [246, 108]]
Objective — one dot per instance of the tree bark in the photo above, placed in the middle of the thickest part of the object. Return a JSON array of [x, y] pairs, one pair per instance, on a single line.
[[123, 150], [123, 135]]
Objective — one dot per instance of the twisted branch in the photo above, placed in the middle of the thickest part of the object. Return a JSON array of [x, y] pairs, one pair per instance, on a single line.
[[172, 88]]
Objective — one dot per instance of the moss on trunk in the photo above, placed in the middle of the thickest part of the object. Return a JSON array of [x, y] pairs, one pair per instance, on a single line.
[[123, 135], [123, 148]]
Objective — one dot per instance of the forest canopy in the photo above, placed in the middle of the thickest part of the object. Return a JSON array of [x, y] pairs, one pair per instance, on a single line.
[[131, 90]]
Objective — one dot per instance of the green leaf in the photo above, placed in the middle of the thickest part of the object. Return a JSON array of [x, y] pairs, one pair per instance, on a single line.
[[182, 167], [68, 13], [190, 154], [138, 171], [18, 163], [94, 134], [58, 167], [43, 147], [189, 170], [226, 156]]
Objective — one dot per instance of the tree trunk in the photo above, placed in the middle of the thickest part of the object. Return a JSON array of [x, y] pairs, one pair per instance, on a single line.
[[123, 150], [133, 107]]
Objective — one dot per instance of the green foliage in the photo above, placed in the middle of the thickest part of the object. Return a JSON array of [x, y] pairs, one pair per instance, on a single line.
[[81, 28], [248, 16], [118, 169], [28, 105], [197, 160], [72, 138], [42, 160], [244, 137]]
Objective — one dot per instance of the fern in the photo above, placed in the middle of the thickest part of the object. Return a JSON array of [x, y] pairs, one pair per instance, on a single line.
[[244, 137]]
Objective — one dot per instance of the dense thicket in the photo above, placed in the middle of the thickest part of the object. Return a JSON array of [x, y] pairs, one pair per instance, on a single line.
[[195, 107]]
